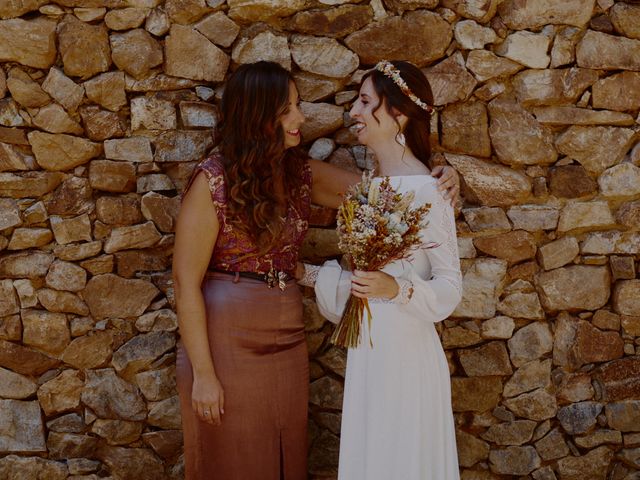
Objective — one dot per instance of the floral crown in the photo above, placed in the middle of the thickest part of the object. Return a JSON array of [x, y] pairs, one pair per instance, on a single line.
[[393, 73]]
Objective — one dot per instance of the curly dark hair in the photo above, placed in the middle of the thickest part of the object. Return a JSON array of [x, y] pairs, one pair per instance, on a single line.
[[261, 174], [417, 129]]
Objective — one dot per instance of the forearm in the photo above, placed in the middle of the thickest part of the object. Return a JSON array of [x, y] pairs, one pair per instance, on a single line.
[[192, 322]]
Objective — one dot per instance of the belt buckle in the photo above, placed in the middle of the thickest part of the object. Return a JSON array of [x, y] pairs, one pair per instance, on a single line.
[[275, 277]]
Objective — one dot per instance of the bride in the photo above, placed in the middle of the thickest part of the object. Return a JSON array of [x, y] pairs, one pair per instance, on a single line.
[[397, 420]]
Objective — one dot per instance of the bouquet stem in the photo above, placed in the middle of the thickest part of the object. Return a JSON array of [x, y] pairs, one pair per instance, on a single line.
[[347, 332]]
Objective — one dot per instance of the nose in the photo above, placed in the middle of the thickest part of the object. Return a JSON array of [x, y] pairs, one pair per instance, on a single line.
[[353, 113], [301, 117]]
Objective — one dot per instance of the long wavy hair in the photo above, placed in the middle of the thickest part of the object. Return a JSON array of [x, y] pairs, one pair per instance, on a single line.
[[417, 130], [261, 175]]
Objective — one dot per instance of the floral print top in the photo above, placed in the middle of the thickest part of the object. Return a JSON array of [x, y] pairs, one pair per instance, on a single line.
[[234, 250]]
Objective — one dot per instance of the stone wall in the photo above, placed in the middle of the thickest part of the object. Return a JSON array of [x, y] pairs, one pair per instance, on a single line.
[[106, 106]]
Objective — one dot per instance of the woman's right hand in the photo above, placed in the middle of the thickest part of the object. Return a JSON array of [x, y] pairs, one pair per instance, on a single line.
[[207, 399]]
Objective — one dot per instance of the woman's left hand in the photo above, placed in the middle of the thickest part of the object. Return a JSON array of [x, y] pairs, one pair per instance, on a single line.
[[373, 285], [448, 182]]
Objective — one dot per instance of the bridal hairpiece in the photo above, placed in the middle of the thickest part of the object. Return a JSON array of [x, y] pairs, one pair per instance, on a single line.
[[393, 73]]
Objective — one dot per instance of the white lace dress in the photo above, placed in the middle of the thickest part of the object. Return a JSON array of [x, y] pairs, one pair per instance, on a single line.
[[397, 421]]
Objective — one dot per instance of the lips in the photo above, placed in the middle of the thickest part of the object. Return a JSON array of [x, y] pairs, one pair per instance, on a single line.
[[295, 132]]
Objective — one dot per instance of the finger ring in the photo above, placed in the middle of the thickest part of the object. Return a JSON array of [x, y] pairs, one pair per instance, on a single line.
[[206, 413]]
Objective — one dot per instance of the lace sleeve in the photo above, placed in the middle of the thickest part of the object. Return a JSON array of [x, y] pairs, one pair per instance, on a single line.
[[310, 275]]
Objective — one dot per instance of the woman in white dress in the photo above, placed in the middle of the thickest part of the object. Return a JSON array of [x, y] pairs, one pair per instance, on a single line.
[[397, 421]]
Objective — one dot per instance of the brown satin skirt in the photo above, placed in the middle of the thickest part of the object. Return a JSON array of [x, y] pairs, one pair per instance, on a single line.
[[257, 342]]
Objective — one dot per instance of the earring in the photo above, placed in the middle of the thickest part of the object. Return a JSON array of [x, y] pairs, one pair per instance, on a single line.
[[400, 139]]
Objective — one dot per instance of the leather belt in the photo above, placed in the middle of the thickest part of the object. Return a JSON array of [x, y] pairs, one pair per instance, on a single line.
[[272, 278]]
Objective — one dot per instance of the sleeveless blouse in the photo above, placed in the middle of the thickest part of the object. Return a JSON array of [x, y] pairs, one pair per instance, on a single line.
[[234, 250]]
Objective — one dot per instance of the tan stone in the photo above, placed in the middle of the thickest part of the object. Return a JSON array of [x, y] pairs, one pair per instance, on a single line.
[[47, 331], [486, 219], [620, 181], [163, 211], [107, 90], [72, 229], [481, 11], [575, 387], [513, 246], [450, 81], [136, 52], [322, 119], [111, 397], [481, 287], [25, 90], [159, 320], [154, 182], [326, 393], [84, 48], [13, 136], [3, 83], [133, 149], [152, 113], [125, 18], [119, 210], [465, 129], [486, 65], [575, 287], [500, 327], [529, 49], [564, 45], [99, 265], [530, 376], [533, 218], [333, 22], [112, 176], [73, 197], [620, 91], [101, 124], [471, 450], [264, 46], [23, 238], [184, 12], [139, 463], [189, 54], [260, 10], [62, 393], [15, 386], [593, 345], [531, 15], [592, 465], [9, 213], [157, 22], [553, 86], [475, 394], [22, 430], [54, 119], [24, 360], [31, 264], [419, 37], [9, 115], [323, 56], [111, 296], [471, 35], [71, 445], [459, 337], [516, 432], [135, 236], [585, 215], [8, 300], [198, 115], [537, 405], [489, 359], [522, 305], [312, 88], [10, 329], [89, 14], [66, 276], [218, 28], [626, 297], [36, 213], [62, 152], [117, 432], [14, 159], [622, 267], [598, 438], [20, 7], [508, 121], [580, 116], [599, 50], [62, 301], [626, 19], [558, 253], [89, 351], [571, 181], [530, 343], [28, 42]]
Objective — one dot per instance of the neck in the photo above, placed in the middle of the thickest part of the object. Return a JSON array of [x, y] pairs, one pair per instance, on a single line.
[[394, 159]]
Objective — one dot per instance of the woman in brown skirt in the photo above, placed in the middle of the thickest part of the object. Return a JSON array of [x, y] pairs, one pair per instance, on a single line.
[[242, 365]]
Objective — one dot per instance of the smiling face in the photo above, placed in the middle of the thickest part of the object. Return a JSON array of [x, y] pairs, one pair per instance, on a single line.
[[370, 129], [292, 118]]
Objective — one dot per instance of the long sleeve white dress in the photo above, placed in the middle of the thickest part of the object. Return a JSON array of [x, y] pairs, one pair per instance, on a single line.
[[397, 421]]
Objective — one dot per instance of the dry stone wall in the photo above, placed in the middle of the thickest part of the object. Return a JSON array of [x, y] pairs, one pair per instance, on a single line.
[[107, 105]]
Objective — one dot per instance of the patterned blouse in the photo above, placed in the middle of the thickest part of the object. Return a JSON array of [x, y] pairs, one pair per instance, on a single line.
[[234, 250]]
